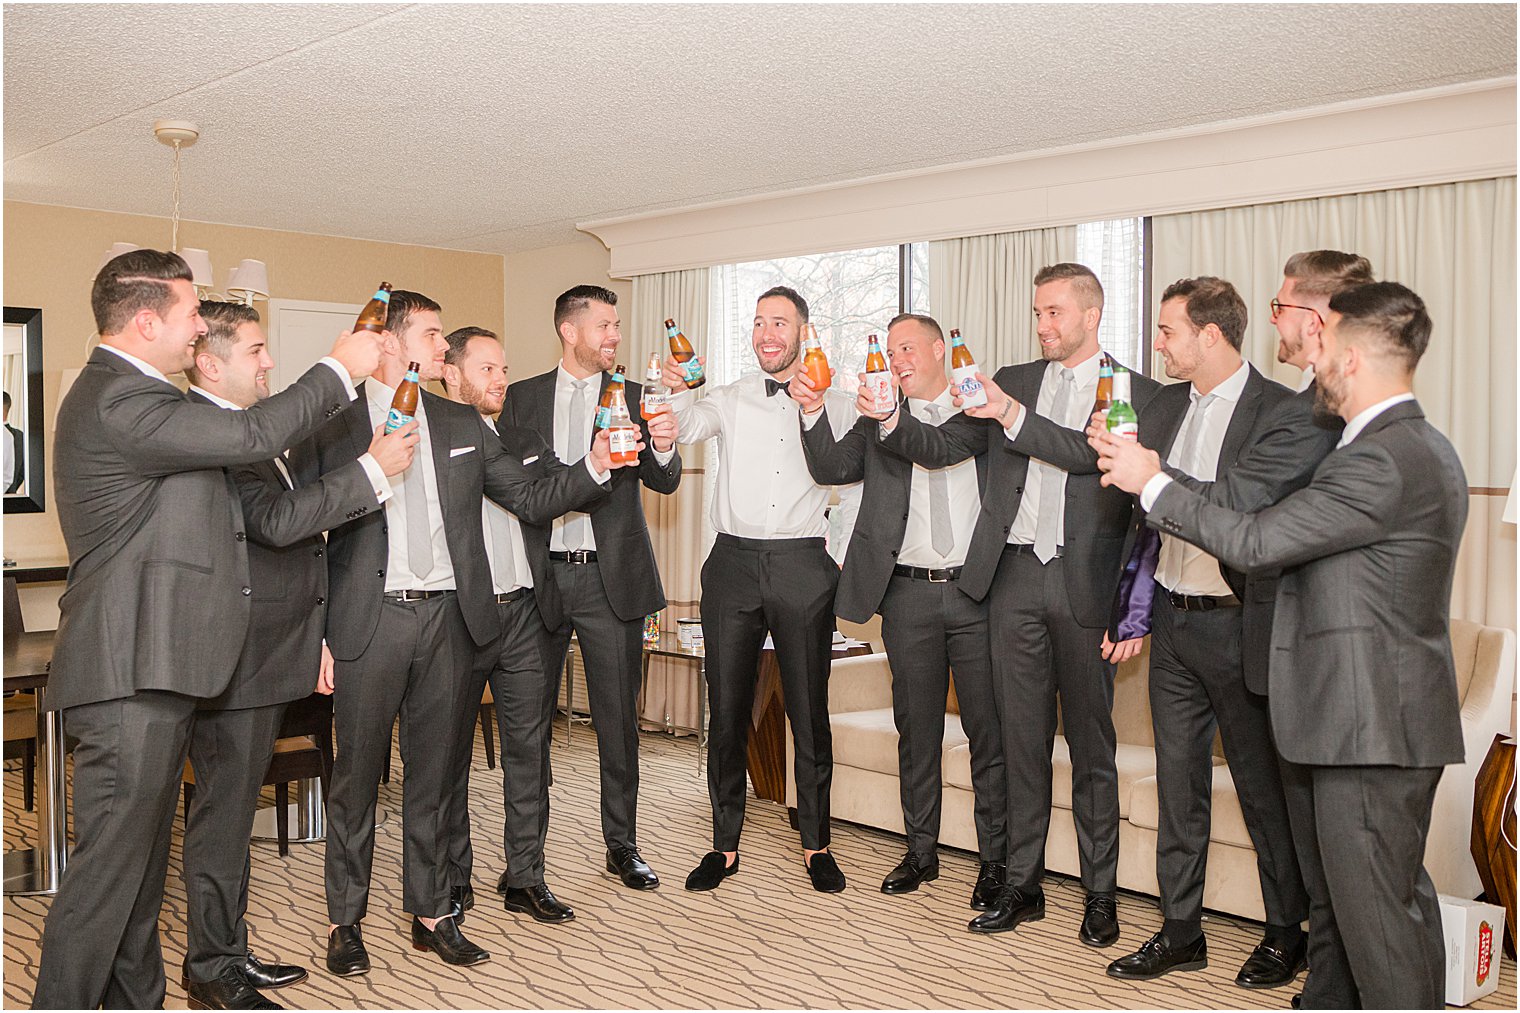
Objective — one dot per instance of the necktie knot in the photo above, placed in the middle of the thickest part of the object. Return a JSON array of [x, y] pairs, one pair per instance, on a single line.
[[772, 388], [935, 412]]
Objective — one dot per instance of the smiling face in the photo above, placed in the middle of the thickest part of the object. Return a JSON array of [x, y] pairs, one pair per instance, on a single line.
[[1298, 324], [1179, 343], [1067, 331], [421, 341], [918, 359], [480, 375], [175, 333], [777, 334], [245, 374], [591, 337]]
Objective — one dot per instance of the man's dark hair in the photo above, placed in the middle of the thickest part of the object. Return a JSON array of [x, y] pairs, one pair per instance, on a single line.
[[1390, 314], [1325, 272], [921, 318], [1209, 300], [7, 400], [222, 322], [135, 281], [403, 306], [793, 296], [1086, 284], [572, 301], [460, 340]]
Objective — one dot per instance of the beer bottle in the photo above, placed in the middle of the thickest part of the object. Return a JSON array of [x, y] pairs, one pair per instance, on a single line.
[[1122, 420], [815, 365], [1105, 398], [878, 379], [656, 398], [680, 350], [604, 408], [622, 431], [404, 404], [372, 317], [963, 373]]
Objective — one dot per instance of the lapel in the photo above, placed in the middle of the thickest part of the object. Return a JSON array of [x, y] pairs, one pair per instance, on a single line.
[[543, 406], [1172, 424], [438, 438], [359, 428], [1243, 421]]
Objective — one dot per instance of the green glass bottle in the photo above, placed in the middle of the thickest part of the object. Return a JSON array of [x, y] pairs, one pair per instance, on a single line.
[[1122, 420]]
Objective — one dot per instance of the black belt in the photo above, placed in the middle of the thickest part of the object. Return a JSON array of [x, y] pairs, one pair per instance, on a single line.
[[575, 556], [933, 576], [1200, 602], [511, 596], [1028, 550], [414, 595]]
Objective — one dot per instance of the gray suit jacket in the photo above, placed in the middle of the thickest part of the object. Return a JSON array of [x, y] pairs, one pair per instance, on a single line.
[[1361, 670], [158, 591]]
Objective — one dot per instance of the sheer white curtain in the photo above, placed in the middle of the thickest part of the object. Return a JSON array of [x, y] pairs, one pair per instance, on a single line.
[[984, 286], [1454, 244], [676, 522]]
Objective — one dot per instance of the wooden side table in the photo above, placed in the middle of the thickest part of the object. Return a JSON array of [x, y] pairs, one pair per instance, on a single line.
[[767, 734], [1493, 832]]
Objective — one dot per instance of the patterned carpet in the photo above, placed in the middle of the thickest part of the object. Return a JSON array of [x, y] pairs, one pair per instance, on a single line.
[[762, 940]]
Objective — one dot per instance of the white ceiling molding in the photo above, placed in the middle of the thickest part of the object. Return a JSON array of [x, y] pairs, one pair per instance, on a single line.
[[1439, 135]]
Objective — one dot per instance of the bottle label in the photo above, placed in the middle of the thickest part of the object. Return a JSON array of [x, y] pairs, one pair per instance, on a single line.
[[655, 402], [622, 440], [383, 296], [691, 369], [603, 417], [968, 386], [880, 386], [395, 419], [1126, 430]]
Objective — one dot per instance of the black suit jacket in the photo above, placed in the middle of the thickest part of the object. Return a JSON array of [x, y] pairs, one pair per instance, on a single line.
[[1254, 419], [882, 520], [158, 592], [1097, 519], [18, 442], [629, 573], [1361, 669], [470, 461]]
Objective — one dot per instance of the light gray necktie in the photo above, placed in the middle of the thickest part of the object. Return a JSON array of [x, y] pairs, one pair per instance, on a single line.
[[941, 534], [419, 528], [501, 546], [1188, 460], [1052, 479], [580, 439]]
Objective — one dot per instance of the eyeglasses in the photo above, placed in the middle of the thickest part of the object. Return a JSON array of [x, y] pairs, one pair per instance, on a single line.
[[1278, 307]]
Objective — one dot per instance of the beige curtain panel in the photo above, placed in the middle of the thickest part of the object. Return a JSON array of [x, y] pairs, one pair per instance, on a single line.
[[1452, 243], [676, 522], [984, 287]]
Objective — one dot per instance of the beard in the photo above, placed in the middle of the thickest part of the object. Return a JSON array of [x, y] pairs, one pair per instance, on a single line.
[[484, 402], [782, 364], [592, 359], [1329, 396], [1062, 349]]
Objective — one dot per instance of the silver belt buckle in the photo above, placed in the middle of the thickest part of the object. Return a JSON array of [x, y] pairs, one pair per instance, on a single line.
[[938, 580]]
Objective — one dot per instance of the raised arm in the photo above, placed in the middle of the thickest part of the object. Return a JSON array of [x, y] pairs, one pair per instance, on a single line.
[[538, 499], [939, 446], [698, 418], [662, 478], [1053, 443], [836, 461], [276, 516]]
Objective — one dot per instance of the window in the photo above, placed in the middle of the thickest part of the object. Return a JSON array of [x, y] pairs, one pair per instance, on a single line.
[[1115, 252], [850, 295]]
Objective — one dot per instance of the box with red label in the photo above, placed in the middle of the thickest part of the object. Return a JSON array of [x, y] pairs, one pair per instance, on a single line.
[[1474, 947]]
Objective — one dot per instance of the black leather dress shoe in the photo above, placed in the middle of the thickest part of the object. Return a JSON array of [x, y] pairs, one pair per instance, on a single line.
[[461, 899], [990, 880], [1271, 966], [825, 873], [229, 991], [501, 883], [537, 901], [712, 870], [262, 975], [1100, 921], [1297, 1002], [346, 955], [1012, 908], [629, 866], [910, 872], [1157, 957], [445, 939]]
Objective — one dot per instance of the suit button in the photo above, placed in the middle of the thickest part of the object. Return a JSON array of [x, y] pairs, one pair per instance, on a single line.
[[905, 516], [379, 573], [240, 536], [385, 529], [247, 591], [321, 601], [319, 553], [1018, 490], [894, 552]]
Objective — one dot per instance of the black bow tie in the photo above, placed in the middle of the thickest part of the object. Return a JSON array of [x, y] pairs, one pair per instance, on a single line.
[[772, 388]]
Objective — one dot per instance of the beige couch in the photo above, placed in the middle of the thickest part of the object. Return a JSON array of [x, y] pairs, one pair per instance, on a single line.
[[865, 786]]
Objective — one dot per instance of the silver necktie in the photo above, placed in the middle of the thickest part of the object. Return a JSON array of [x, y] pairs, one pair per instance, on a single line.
[[1053, 479], [580, 440], [941, 534], [500, 529], [1188, 460], [419, 527]]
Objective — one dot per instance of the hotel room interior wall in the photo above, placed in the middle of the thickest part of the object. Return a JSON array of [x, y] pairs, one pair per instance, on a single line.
[[52, 253], [534, 279]]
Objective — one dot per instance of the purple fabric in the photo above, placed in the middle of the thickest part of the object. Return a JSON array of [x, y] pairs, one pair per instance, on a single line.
[[1137, 587]]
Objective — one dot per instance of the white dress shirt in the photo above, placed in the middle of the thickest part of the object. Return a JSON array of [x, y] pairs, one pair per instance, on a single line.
[[1306, 379], [377, 480], [1078, 410], [493, 513], [965, 500], [1360, 420], [1183, 567], [398, 571], [763, 488]]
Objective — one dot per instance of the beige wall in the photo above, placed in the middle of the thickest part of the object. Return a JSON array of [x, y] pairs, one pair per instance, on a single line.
[[52, 254], [533, 281]]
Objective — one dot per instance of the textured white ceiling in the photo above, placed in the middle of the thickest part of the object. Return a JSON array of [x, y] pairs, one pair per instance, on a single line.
[[496, 127]]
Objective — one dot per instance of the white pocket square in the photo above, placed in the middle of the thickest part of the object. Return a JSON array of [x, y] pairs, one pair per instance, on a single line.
[[529, 460], [457, 451]]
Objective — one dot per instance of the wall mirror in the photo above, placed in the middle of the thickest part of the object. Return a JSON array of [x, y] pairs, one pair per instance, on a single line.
[[24, 473]]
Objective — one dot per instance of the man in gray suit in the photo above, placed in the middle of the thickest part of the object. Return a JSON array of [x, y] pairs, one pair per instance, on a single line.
[[156, 609], [234, 733], [1363, 693]]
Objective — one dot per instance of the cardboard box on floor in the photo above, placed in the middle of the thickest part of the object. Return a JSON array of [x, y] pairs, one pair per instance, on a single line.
[[1474, 948]]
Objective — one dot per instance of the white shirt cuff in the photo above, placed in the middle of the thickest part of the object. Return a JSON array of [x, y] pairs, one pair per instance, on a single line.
[[602, 477], [377, 479], [337, 367], [1152, 489], [662, 457], [1013, 428]]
